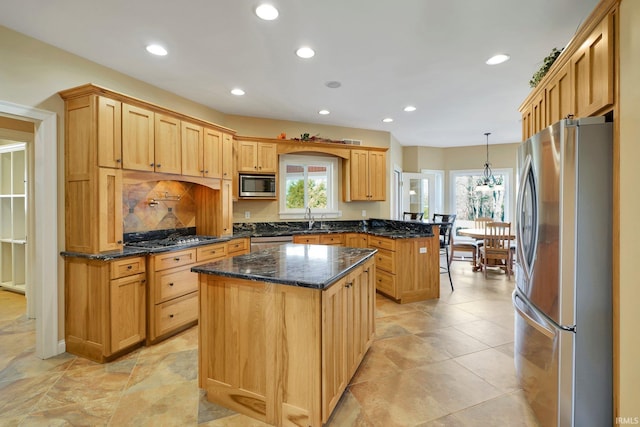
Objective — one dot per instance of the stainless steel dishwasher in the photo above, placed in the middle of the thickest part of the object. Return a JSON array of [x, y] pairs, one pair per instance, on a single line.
[[258, 243]]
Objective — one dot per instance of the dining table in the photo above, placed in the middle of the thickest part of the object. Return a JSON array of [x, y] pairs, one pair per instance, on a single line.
[[479, 235]]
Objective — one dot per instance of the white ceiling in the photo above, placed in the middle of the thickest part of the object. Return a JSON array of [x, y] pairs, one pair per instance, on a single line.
[[386, 53]]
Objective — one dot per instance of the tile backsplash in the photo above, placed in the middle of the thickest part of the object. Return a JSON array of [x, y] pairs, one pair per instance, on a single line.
[[174, 208]]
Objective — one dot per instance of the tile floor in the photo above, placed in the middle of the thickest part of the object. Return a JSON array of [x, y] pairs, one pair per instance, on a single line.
[[434, 363]]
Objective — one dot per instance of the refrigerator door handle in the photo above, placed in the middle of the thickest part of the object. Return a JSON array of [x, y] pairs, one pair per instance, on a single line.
[[543, 329], [522, 258]]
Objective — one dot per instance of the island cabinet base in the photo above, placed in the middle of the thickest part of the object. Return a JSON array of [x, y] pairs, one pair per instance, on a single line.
[[283, 354]]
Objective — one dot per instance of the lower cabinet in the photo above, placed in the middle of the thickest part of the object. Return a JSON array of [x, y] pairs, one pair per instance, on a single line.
[[105, 306], [284, 354], [320, 239]]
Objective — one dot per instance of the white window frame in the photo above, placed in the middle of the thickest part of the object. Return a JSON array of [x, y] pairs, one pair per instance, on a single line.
[[508, 190], [333, 186]]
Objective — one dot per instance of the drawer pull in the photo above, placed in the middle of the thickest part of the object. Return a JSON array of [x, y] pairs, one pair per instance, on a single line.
[[171, 316], [129, 267], [176, 259], [171, 284]]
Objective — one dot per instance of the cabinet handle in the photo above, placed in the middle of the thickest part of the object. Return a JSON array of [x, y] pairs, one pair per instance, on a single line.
[[119, 242], [118, 160], [206, 171], [176, 259], [171, 316], [348, 285], [201, 170], [158, 165], [150, 164], [225, 174], [129, 267], [259, 167], [171, 284]]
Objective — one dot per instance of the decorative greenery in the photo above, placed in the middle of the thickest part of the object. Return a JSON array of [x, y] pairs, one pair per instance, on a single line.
[[315, 138], [546, 64]]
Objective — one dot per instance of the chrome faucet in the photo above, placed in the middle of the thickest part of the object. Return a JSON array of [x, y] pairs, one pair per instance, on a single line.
[[307, 215]]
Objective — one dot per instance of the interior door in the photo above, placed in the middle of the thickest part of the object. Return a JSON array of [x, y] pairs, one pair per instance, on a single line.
[[417, 193]]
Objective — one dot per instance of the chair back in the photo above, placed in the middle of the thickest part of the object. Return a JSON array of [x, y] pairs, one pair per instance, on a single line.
[[497, 240], [481, 221], [408, 216], [446, 228]]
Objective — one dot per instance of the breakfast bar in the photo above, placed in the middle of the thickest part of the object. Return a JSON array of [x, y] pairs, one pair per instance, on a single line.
[[283, 330]]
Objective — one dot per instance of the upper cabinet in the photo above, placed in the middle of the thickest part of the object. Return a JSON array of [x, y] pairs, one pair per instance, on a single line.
[[109, 133], [167, 147], [259, 157], [138, 138], [581, 81], [211, 154], [365, 176]]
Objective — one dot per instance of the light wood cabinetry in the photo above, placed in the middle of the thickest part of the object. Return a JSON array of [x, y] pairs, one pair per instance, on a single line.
[[259, 157], [109, 130], [581, 81], [105, 313], [356, 240], [283, 354], [93, 214], [320, 239], [167, 145], [212, 156], [365, 176], [227, 156], [192, 149], [13, 218], [407, 270], [138, 138]]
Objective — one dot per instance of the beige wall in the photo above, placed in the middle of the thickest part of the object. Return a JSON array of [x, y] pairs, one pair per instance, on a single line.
[[629, 286]]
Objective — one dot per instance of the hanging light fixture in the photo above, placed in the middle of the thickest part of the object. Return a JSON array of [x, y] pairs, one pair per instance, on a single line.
[[488, 181]]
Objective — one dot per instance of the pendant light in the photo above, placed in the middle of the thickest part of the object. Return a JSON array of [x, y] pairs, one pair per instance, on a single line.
[[488, 182]]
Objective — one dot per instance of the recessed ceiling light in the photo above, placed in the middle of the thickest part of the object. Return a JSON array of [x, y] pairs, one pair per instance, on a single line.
[[333, 84], [498, 59], [237, 92], [409, 108], [156, 49], [323, 112], [267, 12], [387, 120], [305, 52]]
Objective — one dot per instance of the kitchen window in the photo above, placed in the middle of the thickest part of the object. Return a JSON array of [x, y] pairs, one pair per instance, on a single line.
[[308, 182]]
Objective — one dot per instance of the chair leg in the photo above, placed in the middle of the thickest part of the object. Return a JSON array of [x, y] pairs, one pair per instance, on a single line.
[[446, 249]]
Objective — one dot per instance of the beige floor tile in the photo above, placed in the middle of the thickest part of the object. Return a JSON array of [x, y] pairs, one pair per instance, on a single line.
[[374, 366], [410, 351], [486, 332], [493, 366], [93, 413], [21, 397], [487, 308], [158, 370], [449, 315], [387, 307], [237, 420], [209, 411], [507, 410], [453, 341], [348, 412]]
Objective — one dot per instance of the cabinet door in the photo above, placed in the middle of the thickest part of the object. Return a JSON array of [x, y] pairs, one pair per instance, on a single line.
[[227, 156], [212, 153], [334, 344], [137, 138], [526, 123], [168, 152], [247, 156], [192, 143], [377, 175], [356, 240], [227, 208], [109, 133], [537, 113], [558, 102], [267, 157], [592, 71], [127, 311], [359, 166], [109, 209]]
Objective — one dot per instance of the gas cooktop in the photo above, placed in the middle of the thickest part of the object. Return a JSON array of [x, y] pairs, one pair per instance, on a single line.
[[171, 241]]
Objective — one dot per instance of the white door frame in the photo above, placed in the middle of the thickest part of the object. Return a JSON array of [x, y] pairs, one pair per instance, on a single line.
[[44, 243]]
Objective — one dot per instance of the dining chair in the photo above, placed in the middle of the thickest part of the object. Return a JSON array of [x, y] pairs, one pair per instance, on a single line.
[[415, 216], [446, 230], [497, 246]]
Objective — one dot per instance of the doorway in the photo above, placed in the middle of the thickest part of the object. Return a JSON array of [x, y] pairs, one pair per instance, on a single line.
[[42, 224], [422, 192]]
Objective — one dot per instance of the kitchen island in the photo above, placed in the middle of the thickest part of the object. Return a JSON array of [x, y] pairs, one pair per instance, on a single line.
[[283, 330]]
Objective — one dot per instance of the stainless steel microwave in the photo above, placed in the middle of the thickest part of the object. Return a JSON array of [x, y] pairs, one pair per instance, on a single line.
[[257, 186]]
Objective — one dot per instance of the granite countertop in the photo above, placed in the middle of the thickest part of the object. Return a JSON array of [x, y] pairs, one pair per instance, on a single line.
[[311, 266]]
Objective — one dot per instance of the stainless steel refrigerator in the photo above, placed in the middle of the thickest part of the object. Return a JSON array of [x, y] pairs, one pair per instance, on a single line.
[[563, 304]]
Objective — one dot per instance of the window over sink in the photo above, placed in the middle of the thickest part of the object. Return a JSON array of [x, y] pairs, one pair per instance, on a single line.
[[308, 181]]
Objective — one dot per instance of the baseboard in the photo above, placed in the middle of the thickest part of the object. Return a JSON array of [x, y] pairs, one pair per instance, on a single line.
[[62, 346]]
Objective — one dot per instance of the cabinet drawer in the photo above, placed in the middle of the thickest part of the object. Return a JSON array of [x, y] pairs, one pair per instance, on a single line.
[[332, 239], [173, 283], [307, 240], [210, 252], [386, 282], [127, 267], [174, 259], [386, 260], [176, 313], [382, 243], [238, 245]]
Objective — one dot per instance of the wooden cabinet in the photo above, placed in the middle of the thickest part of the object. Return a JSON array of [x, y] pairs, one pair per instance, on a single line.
[[105, 312], [138, 136], [320, 239], [212, 154], [592, 71], [226, 208], [192, 149], [356, 240], [307, 239], [407, 270], [109, 121], [227, 156], [93, 214], [254, 156], [167, 145], [365, 176], [558, 96], [238, 246], [173, 293], [283, 354]]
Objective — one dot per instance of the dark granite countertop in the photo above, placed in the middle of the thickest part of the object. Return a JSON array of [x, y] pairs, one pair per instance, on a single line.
[[311, 266]]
